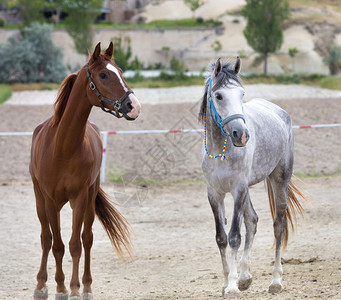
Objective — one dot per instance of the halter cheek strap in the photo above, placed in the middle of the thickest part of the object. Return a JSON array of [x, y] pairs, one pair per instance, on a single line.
[[216, 117], [115, 103]]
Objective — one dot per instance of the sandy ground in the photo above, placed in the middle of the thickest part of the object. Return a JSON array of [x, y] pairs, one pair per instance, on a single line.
[[174, 240], [176, 256]]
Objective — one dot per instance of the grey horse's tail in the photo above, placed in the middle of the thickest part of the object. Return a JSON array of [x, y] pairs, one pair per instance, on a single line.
[[295, 207], [115, 225]]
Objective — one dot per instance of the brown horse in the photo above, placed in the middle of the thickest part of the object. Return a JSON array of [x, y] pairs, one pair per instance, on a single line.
[[65, 165]]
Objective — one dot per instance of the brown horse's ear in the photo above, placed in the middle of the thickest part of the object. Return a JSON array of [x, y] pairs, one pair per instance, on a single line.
[[110, 51], [237, 65], [217, 67], [96, 53]]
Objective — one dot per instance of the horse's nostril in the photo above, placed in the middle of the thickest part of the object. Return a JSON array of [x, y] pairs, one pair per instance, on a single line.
[[130, 106], [235, 134]]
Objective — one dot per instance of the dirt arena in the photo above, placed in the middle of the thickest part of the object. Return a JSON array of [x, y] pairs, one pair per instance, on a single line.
[[164, 198]]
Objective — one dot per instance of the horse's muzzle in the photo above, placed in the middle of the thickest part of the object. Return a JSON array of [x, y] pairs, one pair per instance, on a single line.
[[131, 108], [239, 133], [134, 108]]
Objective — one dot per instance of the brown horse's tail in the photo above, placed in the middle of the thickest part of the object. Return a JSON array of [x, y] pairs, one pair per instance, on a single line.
[[115, 225], [294, 208]]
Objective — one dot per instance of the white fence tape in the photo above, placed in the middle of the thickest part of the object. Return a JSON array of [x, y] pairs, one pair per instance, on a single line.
[[105, 134]]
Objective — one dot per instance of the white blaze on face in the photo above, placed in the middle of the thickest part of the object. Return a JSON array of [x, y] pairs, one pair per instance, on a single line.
[[134, 101], [114, 69]]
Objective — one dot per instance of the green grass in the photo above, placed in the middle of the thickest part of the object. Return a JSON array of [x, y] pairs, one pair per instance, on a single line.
[[167, 81], [183, 23], [330, 82], [11, 26], [323, 81], [164, 24], [5, 92]]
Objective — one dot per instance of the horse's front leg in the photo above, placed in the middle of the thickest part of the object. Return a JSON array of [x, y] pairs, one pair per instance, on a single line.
[[217, 204], [58, 249], [250, 220], [41, 292], [78, 206], [234, 239]]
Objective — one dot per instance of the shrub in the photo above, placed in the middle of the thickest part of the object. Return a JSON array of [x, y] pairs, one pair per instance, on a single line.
[[334, 59], [177, 67], [32, 58], [200, 20], [122, 52], [216, 46], [136, 64]]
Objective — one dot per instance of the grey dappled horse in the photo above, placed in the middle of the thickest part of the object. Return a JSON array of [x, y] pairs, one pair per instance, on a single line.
[[252, 142]]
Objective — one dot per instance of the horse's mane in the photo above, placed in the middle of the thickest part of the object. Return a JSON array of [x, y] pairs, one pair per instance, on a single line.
[[62, 98], [226, 76]]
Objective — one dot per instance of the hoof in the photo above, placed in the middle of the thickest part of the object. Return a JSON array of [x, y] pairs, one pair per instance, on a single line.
[[41, 294], [231, 293], [87, 296], [62, 296], [244, 284], [275, 288], [75, 298]]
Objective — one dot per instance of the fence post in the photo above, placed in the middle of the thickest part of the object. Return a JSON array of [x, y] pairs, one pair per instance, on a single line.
[[104, 154]]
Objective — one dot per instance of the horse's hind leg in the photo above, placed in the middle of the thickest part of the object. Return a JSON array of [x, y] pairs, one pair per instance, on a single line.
[[87, 238], [250, 220], [46, 242], [279, 181], [217, 204], [78, 205]]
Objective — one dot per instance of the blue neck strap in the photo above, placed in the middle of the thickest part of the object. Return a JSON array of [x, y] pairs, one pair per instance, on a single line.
[[216, 117]]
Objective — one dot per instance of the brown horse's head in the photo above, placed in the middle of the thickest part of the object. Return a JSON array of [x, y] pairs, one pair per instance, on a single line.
[[107, 86]]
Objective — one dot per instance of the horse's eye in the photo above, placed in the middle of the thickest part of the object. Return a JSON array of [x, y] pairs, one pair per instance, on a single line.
[[219, 96], [103, 76]]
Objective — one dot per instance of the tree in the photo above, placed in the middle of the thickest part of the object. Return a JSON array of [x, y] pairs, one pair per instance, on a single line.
[[58, 6], [194, 5], [81, 15], [263, 31], [32, 58], [31, 10]]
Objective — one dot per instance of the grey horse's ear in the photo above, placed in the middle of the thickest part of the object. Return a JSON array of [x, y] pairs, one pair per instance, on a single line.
[[217, 67], [237, 65]]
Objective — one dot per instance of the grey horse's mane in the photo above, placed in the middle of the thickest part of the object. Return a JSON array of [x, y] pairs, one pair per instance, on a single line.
[[226, 76]]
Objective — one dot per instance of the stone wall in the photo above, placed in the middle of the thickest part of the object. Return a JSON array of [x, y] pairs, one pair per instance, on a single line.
[[194, 47]]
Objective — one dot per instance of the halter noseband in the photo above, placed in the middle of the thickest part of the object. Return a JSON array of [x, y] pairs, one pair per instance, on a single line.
[[115, 103], [216, 117]]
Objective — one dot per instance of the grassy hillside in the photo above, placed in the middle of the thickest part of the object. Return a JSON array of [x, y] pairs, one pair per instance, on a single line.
[[314, 10]]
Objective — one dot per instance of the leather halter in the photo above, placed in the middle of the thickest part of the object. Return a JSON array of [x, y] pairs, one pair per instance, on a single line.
[[115, 103], [216, 117]]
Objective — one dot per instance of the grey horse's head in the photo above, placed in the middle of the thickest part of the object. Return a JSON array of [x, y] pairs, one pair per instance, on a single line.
[[226, 93]]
